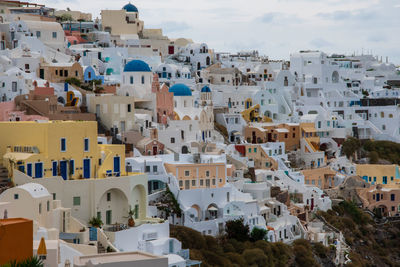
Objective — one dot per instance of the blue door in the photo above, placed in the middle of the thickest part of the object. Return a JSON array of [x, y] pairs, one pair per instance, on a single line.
[[93, 234], [39, 170], [21, 168], [86, 168], [203, 135], [63, 169], [29, 169], [319, 162], [54, 167], [117, 166]]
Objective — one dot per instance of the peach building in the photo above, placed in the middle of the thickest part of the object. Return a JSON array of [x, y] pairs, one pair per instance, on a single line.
[[260, 157], [16, 239], [164, 101], [321, 177], [289, 133], [198, 175], [383, 199]]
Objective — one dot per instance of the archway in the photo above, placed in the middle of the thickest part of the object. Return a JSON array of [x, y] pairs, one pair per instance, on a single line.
[[198, 210], [185, 150], [113, 207], [139, 201], [212, 211]]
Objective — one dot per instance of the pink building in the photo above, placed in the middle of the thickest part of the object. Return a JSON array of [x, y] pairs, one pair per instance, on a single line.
[[164, 101], [8, 112]]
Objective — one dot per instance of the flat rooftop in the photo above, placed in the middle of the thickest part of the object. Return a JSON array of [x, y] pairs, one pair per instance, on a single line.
[[14, 221], [116, 257]]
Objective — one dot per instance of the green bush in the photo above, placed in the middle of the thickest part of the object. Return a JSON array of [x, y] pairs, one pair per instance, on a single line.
[[236, 229], [257, 234]]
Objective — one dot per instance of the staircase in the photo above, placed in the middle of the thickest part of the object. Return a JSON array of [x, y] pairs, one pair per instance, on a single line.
[[100, 248], [4, 179]]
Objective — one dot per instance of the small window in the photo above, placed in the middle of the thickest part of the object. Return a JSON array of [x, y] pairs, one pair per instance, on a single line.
[[207, 173], [54, 35], [48, 205], [201, 182], [38, 34], [63, 145], [193, 182], [131, 79], [142, 79], [54, 196], [392, 197], [129, 108], [77, 201], [86, 144], [147, 168], [76, 73], [72, 166], [172, 140], [40, 208], [180, 183], [213, 181], [16, 196], [187, 173], [109, 196], [155, 168]]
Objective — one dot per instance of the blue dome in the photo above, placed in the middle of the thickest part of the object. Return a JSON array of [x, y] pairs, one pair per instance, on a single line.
[[130, 8], [137, 66], [206, 89], [180, 89]]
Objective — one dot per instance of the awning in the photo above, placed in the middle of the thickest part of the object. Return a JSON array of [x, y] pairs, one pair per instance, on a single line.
[[212, 209], [309, 129]]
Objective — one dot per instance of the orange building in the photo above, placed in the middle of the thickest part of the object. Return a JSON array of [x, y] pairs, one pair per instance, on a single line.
[[16, 239], [260, 157], [289, 133], [320, 177], [198, 175]]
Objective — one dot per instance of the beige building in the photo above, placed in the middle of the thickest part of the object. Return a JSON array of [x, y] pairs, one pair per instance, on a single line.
[[76, 15], [59, 72], [124, 21], [113, 111]]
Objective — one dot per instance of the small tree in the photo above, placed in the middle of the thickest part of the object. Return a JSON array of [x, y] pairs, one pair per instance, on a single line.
[[257, 234], [350, 146], [73, 81], [96, 222], [236, 229]]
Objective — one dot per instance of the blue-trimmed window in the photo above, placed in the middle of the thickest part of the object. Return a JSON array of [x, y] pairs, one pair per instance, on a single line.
[[86, 144], [54, 168], [63, 143], [131, 79], [72, 167]]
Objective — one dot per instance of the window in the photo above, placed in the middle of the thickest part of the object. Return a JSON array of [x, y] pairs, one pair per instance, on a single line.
[[72, 167], [65, 73], [213, 181], [180, 183], [54, 35], [187, 173], [38, 34], [193, 182], [86, 144], [63, 145], [76, 73], [142, 79], [201, 182], [109, 196], [249, 150], [131, 79], [155, 168], [76, 201], [16, 196], [27, 66], [40, 208], [392, 197], [207, 173], [129, 107], [48, 205], [255, 150], [172, 140], [14, 86], [147, 168], [54, 196]]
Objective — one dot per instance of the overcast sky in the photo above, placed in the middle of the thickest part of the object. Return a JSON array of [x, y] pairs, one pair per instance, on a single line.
[[274, 27]]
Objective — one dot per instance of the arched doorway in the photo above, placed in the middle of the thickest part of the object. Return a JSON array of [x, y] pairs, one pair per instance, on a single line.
[[212, 211], [138, 201], [185, 150], [208, 61], [198, 210], [113, 207]]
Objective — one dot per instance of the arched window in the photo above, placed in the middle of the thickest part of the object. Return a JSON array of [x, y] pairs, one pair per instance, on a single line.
[[142, 79]]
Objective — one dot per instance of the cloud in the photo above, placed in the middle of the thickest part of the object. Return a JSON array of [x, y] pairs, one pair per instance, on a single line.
[[320, 43], [278, 18], [173, 26]]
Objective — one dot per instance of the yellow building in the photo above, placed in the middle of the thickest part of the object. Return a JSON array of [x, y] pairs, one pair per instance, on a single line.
[[123, 21], [379, 174], [59, 148]]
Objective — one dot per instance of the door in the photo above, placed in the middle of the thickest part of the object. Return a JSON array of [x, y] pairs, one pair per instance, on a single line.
[[108, 217], [312, 204], [171, 50], [29, 169], [93, 234], [97, 110], [63, 169], [39, 170], [54, 168], [86, 168], [21, 168], [117, 166], [155, 150], [122, 126], [269, 137]]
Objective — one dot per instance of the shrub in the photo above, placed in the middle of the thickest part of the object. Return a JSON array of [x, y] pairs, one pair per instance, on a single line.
[[255, 257], [257, 234], [96, 222], [236, 229]]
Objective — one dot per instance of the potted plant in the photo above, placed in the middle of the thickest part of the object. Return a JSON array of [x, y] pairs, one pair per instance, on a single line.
[[96, 222], [131, 220]]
